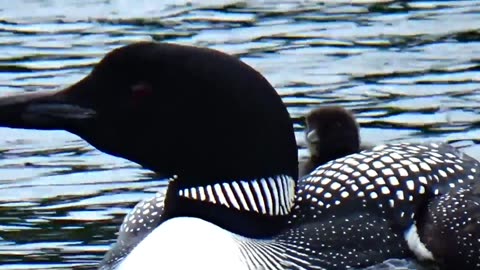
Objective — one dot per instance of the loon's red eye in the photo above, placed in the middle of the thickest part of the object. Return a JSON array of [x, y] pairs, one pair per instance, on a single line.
[[141, 91]]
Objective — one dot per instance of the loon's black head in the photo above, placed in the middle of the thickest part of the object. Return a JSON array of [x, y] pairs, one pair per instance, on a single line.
[[177, 110], [332, 132]]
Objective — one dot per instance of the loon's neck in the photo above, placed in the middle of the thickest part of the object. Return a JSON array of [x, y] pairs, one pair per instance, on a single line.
[[256, 207]]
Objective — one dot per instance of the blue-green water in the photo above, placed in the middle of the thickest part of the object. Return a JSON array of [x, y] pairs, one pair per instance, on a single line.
[[409, 71]]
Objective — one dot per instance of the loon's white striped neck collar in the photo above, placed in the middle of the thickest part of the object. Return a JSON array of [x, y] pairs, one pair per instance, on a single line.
[[271, 196], [235, 205]]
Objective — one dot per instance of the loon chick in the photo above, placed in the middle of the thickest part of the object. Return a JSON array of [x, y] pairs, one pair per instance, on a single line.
[[241, 209], [331, 132]]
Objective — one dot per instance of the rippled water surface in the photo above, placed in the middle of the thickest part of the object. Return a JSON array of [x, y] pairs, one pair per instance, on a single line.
[[409, 71]]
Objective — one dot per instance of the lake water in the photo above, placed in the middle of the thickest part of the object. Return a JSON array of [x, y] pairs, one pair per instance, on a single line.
[[409, 71]]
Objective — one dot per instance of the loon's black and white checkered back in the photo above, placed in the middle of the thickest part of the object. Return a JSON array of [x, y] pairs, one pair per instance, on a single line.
[[393, 179], [372, 198]]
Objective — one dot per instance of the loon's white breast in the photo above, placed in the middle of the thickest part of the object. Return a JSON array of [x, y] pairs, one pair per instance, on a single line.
[[186, 243]]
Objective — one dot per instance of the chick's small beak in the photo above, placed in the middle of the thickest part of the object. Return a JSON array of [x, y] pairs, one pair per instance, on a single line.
[[312, 136]]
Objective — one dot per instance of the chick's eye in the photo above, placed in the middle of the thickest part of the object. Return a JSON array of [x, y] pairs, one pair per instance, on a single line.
[[140, 92]]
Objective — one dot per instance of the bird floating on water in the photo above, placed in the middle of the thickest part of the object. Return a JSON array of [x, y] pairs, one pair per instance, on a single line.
[[199, 117]]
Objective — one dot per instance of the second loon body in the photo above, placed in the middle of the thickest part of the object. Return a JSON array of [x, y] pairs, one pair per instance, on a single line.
[[248, 202], [444, 232]]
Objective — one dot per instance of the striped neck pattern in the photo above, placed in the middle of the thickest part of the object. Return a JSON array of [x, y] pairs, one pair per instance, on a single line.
[[268, 196]]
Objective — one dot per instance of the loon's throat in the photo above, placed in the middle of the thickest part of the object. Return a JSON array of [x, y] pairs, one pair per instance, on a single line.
[[271, 196]]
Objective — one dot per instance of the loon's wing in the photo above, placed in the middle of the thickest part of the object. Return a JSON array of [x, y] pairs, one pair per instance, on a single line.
[[451, 228], [350, 241], [139, 222]]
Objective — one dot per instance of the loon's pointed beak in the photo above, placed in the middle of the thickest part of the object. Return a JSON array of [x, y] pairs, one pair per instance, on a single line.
[[41, 110]]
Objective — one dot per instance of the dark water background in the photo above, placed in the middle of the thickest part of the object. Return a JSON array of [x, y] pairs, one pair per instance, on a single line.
[[409, 71]]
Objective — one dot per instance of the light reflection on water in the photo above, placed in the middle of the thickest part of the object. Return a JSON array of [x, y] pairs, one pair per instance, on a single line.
[[410, 71]]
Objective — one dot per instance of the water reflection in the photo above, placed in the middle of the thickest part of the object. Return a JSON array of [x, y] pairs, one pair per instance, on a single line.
[[409, 70]]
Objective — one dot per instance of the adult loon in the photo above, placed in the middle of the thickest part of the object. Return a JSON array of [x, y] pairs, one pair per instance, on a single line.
[[243, 205], [449, 224], [448, 227]]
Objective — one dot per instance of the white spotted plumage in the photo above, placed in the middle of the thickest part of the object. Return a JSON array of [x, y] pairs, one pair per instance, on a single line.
[[393, 175]]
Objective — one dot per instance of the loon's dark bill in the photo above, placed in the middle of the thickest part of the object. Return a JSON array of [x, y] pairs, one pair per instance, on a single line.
[[42, 110]]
